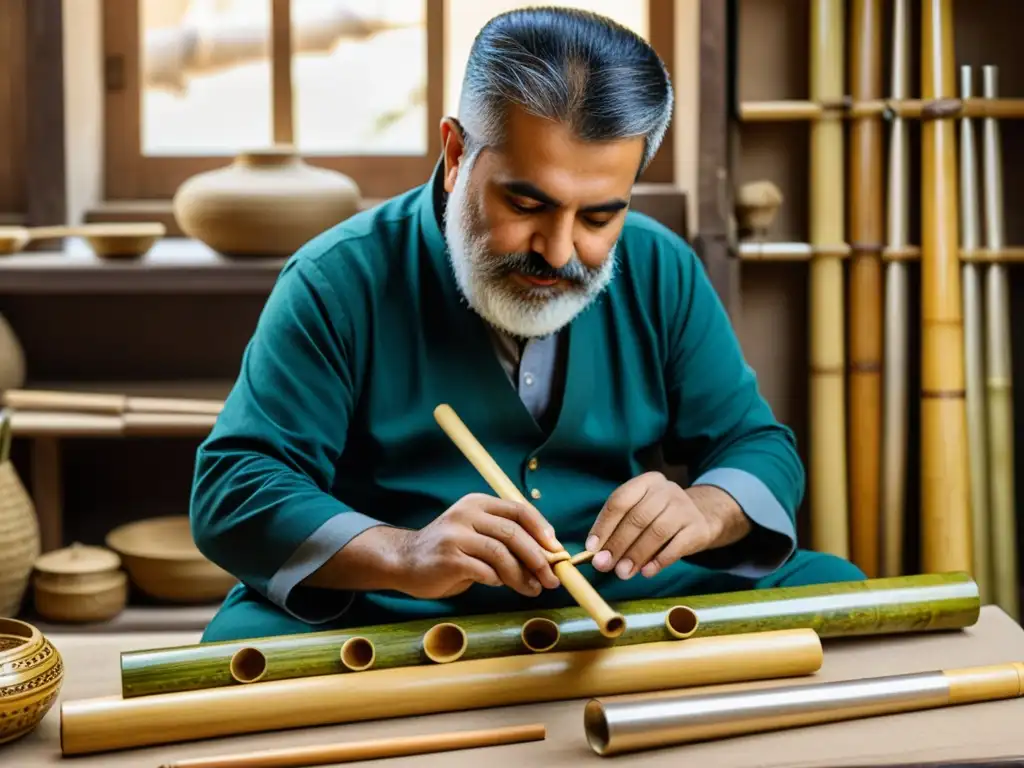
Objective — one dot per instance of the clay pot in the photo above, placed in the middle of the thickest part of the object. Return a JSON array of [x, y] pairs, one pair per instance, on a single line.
[[12, 358], [266, 203], [19, 528], [31, 674]]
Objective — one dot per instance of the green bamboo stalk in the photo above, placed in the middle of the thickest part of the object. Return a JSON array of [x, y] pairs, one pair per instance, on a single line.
[[885, 606]]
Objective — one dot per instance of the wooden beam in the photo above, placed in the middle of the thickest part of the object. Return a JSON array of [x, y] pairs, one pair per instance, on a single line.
[[46, 196]]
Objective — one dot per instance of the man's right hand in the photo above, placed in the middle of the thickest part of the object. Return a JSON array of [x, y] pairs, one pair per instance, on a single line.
[[479, 539]]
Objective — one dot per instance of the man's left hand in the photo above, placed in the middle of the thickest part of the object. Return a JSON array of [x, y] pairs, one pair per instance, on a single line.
[[650, 522]]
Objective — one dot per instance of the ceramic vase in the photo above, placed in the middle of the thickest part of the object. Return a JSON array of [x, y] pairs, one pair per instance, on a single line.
[[31, 675], [19, 528], [266, 203]]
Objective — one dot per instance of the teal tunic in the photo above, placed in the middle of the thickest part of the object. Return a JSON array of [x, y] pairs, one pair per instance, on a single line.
[[329, 427]]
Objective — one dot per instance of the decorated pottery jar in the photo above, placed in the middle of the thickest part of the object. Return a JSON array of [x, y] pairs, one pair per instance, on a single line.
[[31, 674]]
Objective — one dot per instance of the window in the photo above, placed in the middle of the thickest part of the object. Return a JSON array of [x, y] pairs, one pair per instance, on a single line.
[[359, 86]]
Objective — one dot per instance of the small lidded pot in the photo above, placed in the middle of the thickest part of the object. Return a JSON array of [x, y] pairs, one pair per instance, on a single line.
[[79, 583]]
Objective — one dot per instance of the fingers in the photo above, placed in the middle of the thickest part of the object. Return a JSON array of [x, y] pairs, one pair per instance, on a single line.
[[493, 553], [623, 499], [519, 544], [529, 517], [689, 540], [635, 523], [480, 572], [652, 540]]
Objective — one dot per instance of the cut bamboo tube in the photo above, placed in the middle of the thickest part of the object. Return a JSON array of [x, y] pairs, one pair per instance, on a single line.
[[611, 623], [111, 723], [371, 749], [910, 109], [896, 322], [634, 723], [540, 634], [681, 621], [867, 235], [357, 654], [945, 495], [101, 402], [974, 351], [999, 364], [248, 665], [445, 642], [873, 607], [827, 480]]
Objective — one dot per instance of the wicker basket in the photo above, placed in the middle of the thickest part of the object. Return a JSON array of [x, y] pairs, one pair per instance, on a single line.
[[19, 529]]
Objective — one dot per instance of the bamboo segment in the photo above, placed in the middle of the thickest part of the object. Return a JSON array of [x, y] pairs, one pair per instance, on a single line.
[[248, 665], [896, 322], [357, 654], [444, 643], [101, 402], [110, 723], [371, 749], [540, 634], [827, 481], [998, 359], [923, 603], [643, 722], [974, 351], [866, 233], [611, 623], [945, 495]]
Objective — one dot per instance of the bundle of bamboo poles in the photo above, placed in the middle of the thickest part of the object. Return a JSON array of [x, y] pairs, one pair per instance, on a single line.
[[967, 507]]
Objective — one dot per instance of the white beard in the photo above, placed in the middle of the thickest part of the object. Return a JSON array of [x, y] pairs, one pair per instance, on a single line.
[[520, 312]]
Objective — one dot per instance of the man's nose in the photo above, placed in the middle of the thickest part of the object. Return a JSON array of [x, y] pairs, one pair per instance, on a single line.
[[555, 243]]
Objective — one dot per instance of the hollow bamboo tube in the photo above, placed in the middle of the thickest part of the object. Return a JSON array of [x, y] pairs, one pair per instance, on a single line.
[[919, 603], [248, 665], [974, 351], [681, 621], [111, 723], [540, 634], [101, 402], [867, 235], [357, 654], [945, 495], [999, 364], [896, 322], [445, 642], [636, 723], [827, 479], [371, 749], [611, 623]]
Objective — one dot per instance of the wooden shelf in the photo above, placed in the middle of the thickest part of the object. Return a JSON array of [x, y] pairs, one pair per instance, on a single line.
[[174, 265]]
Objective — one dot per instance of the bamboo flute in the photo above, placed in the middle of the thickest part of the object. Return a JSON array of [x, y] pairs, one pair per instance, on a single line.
[[111, 723], [974, 351], [634, 723], [999, 364], [611, 623], [945, 495], [827, 479], [867, 242], [896, 322], [924, 603], [370, 749]]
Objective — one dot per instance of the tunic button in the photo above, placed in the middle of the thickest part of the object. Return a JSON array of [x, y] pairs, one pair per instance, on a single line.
[[535, 493], [533, 464]]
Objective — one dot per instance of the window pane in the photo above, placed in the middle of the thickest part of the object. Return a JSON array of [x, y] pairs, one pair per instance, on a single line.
[[465, 18], [206, 85], [359, 76]]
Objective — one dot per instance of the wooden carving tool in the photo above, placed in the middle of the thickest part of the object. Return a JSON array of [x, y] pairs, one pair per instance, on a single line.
[[611, 623]]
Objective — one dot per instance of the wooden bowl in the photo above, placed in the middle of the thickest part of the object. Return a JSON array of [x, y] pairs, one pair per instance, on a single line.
[[79, 584], [163, 561], [121, 241], [31, 674]]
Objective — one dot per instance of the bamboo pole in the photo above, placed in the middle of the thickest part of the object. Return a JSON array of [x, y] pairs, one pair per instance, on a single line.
[[827, 480], [612, 624], [896, 322], [866, 234], [111, 723], [635, 723], [974, 351], [912, 109], [999, 364], [875, 607], [945, 496]]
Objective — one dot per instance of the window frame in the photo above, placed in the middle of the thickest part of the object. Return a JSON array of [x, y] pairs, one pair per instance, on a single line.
[[130, 175]]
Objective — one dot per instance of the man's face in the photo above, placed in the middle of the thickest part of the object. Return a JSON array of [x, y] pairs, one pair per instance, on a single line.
[[532, 226]]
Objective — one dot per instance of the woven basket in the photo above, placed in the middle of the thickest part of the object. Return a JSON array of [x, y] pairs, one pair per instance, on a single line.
[[19, 529]]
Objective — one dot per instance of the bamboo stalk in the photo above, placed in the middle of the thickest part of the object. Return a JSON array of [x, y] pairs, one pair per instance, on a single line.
[[919, 603], [611, 623], [104, 403], [911, 109], [636, 723], [945, 495], [896, 321], [974, 351], [867, 234], [111, 723], [445, 642], [999, 365], [370, 749], [827, 479]]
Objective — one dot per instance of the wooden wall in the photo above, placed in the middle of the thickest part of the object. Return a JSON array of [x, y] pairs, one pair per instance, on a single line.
[[12, 110]]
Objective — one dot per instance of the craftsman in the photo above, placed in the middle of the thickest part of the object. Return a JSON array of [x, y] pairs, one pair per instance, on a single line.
[[579, 341]]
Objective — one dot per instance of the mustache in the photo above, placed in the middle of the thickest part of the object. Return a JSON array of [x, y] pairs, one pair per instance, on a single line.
[[533, 264]]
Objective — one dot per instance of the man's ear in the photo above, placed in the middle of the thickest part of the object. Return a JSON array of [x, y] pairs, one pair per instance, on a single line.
[[453, 147]]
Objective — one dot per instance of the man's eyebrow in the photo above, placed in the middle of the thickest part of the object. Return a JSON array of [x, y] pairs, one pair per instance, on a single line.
[[526, 189]]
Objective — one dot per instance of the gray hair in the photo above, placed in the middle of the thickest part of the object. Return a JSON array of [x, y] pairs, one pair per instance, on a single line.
[[597, 77]]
